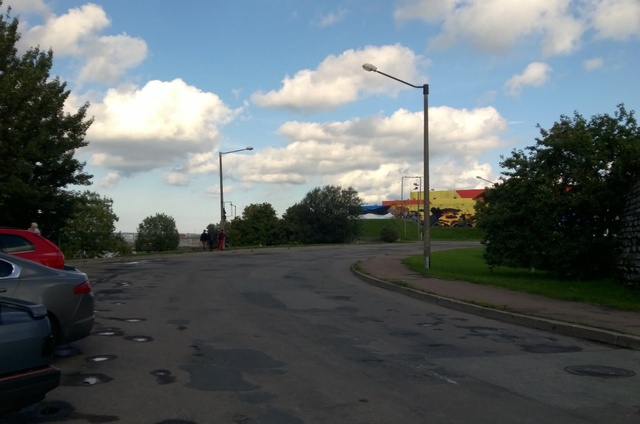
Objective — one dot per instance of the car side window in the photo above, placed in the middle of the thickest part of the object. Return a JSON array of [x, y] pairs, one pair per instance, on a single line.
[[11, 243], [6, 269]]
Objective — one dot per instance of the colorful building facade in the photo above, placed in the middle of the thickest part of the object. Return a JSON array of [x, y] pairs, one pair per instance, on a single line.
[[455, 207]]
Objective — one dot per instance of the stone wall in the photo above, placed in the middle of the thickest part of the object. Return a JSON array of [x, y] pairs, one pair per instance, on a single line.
[[630, 238]]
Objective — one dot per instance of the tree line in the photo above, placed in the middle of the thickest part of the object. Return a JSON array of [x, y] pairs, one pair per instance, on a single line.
[[558, 206]]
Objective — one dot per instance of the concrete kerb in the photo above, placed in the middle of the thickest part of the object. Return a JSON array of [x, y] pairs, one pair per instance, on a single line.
[[546, 324]]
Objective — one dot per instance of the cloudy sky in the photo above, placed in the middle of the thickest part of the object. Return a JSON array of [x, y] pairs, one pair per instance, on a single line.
[[172, 84]]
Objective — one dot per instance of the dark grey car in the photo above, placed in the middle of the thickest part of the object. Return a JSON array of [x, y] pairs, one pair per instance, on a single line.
[[26, 352], [66, 294]]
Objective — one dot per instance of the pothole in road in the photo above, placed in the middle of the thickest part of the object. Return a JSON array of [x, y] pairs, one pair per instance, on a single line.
[[140, 339], [108, 332], [66, 351], [100, 358], [599, 371], [127, 319], [163, 376], [80, 379]]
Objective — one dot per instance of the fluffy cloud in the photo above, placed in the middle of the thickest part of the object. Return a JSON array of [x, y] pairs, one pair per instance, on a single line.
[[498, 25], [139, 129], [372, 154], [335, 82], [616, 19], [535, 74], [76, 33]]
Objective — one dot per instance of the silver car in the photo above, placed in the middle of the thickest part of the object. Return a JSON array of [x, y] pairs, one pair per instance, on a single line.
[[66, 294]]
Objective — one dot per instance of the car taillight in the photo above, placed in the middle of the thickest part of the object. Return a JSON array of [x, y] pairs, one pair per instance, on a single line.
[[83, 288], [59, 262]]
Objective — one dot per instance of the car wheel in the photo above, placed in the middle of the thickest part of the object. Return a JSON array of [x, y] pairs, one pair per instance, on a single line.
[[55, 329]]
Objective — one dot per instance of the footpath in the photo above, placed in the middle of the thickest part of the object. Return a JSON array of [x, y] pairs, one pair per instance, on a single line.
[[591, 322]]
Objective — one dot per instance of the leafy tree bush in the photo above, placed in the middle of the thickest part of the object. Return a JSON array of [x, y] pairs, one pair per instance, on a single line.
[[389, 234], [329, 214], [559, 205], [157, 234], [38, 138], [90, 231], [259, 225]]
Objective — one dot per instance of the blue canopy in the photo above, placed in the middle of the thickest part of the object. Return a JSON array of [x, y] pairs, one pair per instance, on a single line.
[[375, 209]]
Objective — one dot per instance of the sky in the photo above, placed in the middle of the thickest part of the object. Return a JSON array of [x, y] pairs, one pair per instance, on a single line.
[[171, 85]]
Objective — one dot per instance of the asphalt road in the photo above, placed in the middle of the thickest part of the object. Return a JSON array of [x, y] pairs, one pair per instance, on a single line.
[[290, 336]]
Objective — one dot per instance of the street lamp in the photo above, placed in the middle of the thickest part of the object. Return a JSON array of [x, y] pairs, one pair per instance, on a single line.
[[223, 215], [425, 92], [403, 206], [480, 178], [233, 207], [418, 187]]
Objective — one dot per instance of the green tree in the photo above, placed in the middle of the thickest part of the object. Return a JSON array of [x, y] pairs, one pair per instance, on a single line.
[[329, 214], [37, 138], [157, 233], [560, 203], [90, 231], [258, 225]]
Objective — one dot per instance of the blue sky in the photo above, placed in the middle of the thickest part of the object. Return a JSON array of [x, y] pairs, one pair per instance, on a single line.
[[173, 84]]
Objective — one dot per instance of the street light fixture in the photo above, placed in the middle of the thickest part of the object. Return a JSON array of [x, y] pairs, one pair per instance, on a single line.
[[480, 178], [425, 92], [223, 215], [403, 206], [233, 207]]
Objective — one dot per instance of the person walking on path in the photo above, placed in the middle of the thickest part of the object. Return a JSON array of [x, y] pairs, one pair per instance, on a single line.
[[221, 238], [204, 239], [213, 239]]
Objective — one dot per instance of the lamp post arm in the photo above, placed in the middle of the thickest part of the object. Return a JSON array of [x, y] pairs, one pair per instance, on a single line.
[[398, 79]]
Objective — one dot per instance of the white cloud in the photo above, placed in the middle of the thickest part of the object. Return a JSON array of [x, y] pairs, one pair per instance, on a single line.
[[108, 58], [66, 34], [339, 79], [28, 6], [176, 178], [616, 19], [110, 180], [76, 33], [498, 25], [372, 154], [332, 18], [593, 64], [139, 129], [536, 74]]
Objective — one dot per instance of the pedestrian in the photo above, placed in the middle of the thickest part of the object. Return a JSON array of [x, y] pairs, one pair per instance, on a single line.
[[221, 237], [213, 239], [204, 239], [34, 228]]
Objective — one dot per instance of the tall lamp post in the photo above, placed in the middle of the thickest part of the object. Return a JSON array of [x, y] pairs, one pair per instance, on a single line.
[[223, 217], [425, 92]]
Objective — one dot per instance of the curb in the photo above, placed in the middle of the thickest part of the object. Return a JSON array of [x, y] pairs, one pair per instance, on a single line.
[[574, 330]]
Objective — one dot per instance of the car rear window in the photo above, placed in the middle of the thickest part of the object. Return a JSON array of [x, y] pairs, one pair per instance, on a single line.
[[11, 243]]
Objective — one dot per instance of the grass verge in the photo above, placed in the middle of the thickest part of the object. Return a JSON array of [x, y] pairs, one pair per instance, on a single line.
[[468, 265]]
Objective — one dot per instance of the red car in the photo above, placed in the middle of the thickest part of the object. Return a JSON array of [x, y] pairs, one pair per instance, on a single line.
[[31, 246]]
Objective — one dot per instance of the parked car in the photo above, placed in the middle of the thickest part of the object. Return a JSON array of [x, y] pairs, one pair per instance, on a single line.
[[32, 246], [26, 353], [66, 294]]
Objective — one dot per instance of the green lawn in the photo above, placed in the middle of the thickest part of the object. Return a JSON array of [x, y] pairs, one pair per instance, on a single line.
[[408, 230], [468, 265]]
